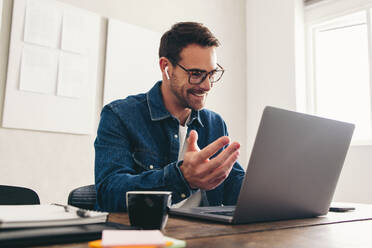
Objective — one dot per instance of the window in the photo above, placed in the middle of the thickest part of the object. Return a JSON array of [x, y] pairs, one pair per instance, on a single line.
[[339, 70]]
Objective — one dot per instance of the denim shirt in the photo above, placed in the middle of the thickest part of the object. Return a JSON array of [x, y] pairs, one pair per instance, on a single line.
[[137, 149]]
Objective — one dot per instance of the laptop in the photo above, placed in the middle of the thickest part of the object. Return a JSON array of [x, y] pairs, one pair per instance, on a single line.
[[292, 172]]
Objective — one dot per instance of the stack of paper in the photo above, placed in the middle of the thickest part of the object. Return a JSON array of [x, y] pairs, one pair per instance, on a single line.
[[136, 238], [21, 216], [132, 237]]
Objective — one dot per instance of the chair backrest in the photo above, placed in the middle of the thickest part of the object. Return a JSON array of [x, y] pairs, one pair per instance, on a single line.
[[14, 195], [83, 197]]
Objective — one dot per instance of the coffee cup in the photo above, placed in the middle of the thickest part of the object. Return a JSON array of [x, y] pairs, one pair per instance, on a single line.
[[148, 209]]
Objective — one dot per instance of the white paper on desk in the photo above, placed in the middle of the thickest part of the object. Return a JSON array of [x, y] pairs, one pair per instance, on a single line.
[[72, 75], [78, 31], [38, 70], [132, 238], [42, 23]]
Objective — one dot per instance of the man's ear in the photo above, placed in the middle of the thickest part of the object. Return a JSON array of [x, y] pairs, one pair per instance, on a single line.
[[164, 66]]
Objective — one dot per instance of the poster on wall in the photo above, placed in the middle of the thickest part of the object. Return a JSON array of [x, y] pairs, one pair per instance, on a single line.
[[132, 61], [52, 68]]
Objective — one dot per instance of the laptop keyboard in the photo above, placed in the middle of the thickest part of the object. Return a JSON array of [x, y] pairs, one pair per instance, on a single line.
[[225, 213]]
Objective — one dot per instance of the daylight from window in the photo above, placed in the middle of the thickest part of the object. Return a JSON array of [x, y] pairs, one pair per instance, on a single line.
[[341, 87]]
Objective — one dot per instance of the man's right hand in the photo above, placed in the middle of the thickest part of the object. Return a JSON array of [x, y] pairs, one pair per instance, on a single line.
[[202, 172]]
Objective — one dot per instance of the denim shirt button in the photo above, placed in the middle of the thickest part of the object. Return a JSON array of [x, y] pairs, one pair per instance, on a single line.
[[176, 136], [183, 195], [151, 167]]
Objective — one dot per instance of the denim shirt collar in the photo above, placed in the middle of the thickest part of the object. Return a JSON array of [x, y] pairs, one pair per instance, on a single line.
[[157, 109]]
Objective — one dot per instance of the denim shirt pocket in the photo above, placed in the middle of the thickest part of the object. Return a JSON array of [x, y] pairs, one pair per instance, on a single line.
[[146, 160]]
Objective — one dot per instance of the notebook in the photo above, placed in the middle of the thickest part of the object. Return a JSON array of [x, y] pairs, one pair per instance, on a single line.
[[23, 216], [292, 173]]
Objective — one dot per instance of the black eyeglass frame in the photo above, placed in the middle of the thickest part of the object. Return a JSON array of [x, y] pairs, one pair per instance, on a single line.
[[189, 72]]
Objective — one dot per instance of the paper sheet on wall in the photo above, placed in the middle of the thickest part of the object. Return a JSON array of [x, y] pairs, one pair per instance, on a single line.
[[77, 31], [72, 75], [43, 23], [38, 70]]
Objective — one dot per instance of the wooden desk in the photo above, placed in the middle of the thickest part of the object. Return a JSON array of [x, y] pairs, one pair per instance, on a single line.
[[352, 229]]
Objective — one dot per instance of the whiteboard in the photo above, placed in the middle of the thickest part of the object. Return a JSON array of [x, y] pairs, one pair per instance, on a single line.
[[132, 61], [52, 68]]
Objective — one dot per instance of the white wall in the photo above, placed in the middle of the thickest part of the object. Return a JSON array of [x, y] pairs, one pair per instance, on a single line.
[[355, 184], [271, 57], [54, 163]]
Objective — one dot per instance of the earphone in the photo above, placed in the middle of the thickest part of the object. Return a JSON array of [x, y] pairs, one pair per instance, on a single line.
[[166, 72]]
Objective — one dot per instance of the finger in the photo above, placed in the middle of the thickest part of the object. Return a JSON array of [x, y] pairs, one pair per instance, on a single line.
[[211, 165], [223, 156], [223, 171], [212, 148], [192, 141]]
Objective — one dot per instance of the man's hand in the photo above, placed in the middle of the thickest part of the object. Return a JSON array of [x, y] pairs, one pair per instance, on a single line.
[[202, 172]]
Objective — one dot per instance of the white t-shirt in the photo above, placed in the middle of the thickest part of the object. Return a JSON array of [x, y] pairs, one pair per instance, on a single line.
[[194, 199]]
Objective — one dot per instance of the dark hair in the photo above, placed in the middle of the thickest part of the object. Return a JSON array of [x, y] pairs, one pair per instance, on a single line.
[[183, 34]]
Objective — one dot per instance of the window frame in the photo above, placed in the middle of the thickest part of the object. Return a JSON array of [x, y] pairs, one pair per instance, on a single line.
[[316, 17]]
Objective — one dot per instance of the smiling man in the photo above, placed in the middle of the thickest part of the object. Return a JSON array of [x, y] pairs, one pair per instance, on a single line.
[[142, 140]]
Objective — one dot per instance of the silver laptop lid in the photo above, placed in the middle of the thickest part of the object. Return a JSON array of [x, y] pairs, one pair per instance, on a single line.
[[294, 166]]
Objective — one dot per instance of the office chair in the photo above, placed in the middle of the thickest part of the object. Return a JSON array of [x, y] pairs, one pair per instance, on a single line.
[[14, 195], [83, 197]]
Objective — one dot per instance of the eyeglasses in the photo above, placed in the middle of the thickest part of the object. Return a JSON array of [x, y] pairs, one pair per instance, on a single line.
[[197, 76]]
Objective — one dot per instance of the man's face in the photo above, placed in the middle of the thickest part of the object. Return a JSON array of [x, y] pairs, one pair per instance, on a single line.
[[192, 57]]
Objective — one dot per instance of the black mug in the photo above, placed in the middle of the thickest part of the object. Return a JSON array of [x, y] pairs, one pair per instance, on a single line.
[[148, 209]]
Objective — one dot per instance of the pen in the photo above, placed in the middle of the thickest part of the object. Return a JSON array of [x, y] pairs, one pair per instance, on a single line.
[[79, 212]]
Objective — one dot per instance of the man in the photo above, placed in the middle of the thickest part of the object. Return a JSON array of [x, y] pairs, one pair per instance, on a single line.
[[141, 141]]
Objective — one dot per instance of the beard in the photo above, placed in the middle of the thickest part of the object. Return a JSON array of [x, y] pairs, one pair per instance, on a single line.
[[186, 96]]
